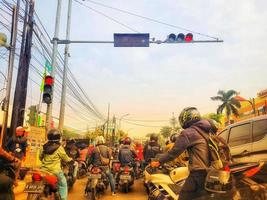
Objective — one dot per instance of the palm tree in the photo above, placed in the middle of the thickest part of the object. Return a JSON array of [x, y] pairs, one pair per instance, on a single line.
[[229, 103]]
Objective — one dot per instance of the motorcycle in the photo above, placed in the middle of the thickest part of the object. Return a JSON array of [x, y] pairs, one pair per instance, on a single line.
[[97, 183], [68, 170], [164, 182], [82, 169], [42, 186], [139, 170], [125, 178]]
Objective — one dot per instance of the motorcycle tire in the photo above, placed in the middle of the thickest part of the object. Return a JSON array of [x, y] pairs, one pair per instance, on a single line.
[[93, 194], [125, 187]]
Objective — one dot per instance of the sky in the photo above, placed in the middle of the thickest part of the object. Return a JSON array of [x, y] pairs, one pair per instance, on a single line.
[[152, 83]]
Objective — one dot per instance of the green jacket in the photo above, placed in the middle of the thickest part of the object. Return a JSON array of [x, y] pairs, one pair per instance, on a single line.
[[51, 156]]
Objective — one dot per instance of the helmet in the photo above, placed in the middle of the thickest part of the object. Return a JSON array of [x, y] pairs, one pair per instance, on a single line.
[[173, 137], [100, 140], [189, 116], [20, 131], [154, 137], [54, 135], [127, 141], [214, 126]]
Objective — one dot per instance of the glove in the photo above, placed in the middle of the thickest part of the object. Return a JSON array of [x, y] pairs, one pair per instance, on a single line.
[[155, 164]]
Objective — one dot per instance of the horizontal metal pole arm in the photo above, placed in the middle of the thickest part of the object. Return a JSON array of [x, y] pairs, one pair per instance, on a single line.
[[151, 42]]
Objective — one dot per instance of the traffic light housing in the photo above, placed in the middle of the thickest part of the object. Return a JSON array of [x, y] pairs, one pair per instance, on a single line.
[[180, 37], [48, 89]]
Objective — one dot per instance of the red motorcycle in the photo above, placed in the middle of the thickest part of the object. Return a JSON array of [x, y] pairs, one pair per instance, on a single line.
[[43, 186]]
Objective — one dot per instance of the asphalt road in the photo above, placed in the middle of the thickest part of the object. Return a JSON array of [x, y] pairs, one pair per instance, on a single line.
[[137, 192]]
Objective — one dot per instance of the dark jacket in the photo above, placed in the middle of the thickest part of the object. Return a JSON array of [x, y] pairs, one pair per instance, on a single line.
[[72, 150], [151, 149], [95, 157], [17, 146], [127, 155], [194, 143]]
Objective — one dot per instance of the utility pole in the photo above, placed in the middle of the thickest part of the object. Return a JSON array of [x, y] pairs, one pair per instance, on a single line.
[[54, 62], [11, 59], [108, 121], [64, 80], [23, 71]]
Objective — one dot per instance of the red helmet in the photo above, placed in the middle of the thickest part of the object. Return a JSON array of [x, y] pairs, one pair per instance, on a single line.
[[20, 131]]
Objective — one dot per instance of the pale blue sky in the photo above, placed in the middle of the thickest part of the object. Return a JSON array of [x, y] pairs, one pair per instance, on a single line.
[[151, 83]]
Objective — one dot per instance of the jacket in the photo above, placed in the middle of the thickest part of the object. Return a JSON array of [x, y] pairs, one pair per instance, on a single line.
[[151, 149], [95, 156], [51, 155], [194, 143], [17, 146], [127, 155]]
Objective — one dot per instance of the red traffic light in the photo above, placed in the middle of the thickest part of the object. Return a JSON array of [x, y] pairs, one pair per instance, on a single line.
[[49, 80], [188, 37]]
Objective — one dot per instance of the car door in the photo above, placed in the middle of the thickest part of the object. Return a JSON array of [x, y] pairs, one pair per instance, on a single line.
[[259, 147], [240, 142]]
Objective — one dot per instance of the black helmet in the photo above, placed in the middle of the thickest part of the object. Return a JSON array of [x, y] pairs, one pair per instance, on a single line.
[[127, 141], [173, 137], [189, 116], [54, 135], [154, 137]]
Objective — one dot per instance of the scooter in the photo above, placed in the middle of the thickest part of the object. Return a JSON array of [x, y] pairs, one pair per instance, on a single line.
[[42, 186], [125, 178], [82, 169], [164, 182], [97, 183]]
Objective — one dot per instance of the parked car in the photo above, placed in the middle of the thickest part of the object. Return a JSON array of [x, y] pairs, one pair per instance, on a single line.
[[248, 141]]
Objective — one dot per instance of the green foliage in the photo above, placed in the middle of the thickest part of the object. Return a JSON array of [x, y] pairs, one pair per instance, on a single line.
[[69, 134], [229, 104], [216, 117], [166, 131], [32, 115]]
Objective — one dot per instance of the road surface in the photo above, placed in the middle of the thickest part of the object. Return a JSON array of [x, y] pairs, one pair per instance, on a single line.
[[137, 192]]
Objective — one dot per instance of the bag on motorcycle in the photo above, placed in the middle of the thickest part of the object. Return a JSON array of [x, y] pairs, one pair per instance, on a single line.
[[214, 155], [104, 161]]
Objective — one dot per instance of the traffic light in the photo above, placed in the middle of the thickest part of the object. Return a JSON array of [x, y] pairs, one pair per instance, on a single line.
[[180, 37], [48, 89]]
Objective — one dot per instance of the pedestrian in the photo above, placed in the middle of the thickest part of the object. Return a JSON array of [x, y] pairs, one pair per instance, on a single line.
[[189, 139]]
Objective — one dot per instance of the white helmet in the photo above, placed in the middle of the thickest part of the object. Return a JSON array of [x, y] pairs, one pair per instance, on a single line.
[[100, 140]]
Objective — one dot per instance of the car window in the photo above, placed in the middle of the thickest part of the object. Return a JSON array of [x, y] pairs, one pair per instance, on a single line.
[[224, 134], [259, 129], [240, 135]]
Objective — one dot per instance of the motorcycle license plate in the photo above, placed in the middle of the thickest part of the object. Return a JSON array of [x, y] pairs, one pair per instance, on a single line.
[[127, 177], [34, 188], [95, 176]]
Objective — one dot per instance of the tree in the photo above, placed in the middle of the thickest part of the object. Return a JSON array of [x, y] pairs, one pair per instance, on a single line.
[[216, 117], [166, 131], [229, 104]]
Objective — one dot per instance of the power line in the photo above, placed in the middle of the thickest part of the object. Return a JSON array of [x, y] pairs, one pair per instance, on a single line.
[[150, 19], [108, 17]]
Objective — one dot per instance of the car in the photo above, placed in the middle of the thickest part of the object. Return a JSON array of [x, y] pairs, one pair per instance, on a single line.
[[248, 141]]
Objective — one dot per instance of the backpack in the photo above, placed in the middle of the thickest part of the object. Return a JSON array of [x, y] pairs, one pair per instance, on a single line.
[[214, 149], [152, 151], [104, 160], [126, 156]]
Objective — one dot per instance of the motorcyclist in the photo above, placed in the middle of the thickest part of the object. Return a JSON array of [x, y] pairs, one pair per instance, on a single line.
[[127, 154], [83, 151], [101, 150], [9, 165], [151, 149], [181, 159], [18, 145], [51, 155], [71, 149], [139, 151], [197, 147]]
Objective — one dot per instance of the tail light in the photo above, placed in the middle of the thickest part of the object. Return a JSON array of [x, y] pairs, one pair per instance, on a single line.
[[36, 176], [51, 180], [117, 167], [126, 169]]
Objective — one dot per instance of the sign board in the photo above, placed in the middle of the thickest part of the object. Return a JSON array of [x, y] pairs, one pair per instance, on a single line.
[[131, 39]]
